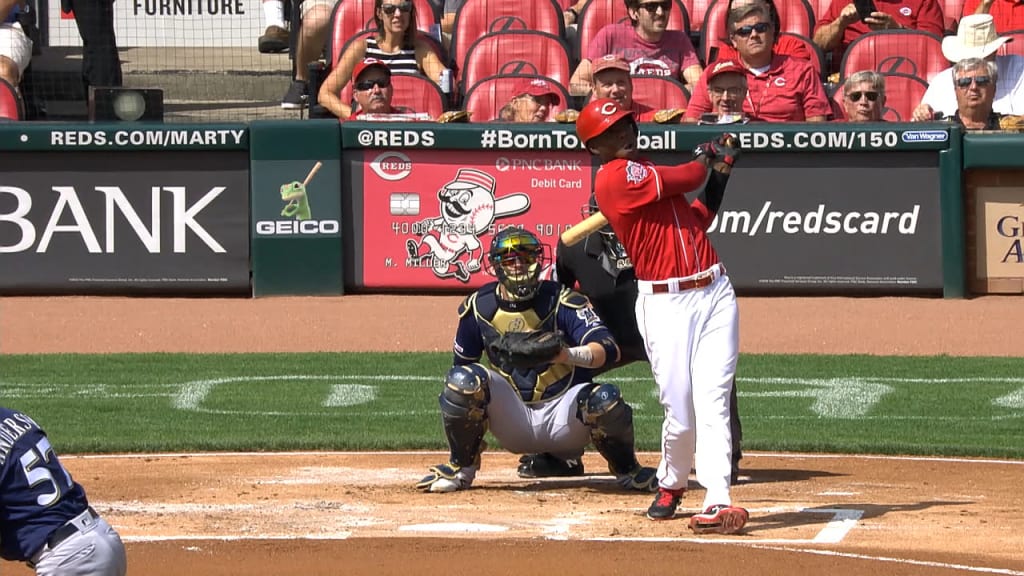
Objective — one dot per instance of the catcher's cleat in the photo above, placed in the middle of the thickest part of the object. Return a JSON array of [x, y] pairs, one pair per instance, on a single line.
[[665, 504], [447, 478], [720, 519], [547, 466], [642, 478]]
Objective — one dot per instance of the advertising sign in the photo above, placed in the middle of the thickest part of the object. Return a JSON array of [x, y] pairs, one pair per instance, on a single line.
[[424, 218], [1000, 232], [296, 199], [130, 223]]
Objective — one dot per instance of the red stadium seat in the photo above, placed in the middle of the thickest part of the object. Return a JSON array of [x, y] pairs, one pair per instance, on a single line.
[[346, 90], [485, 98], [517, 52], [952, 11], [477, 18], [909, 52], [599, 13], [660, 92], [1014, 47], [351, 17], [795, 16], [790, 44], [902, 93], [414, 91], [11, 107], [819, 7], [696, 9]]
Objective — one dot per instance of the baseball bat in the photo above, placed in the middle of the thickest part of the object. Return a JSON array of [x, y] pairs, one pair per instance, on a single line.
[[316, 168], [597, 220]]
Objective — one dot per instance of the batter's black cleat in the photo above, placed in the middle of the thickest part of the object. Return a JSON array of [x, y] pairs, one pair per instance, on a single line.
[[665, 504], [547, 466]]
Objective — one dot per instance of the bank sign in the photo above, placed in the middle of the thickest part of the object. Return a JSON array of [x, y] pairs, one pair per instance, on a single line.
[[147, 227]]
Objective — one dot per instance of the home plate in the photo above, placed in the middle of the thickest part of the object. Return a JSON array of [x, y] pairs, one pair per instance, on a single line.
[[452, 527]]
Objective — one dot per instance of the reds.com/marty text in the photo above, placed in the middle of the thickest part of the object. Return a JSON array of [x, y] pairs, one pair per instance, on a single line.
[[817, 221], [162, 138]]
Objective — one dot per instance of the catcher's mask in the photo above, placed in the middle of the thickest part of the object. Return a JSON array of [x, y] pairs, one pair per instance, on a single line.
[[612, 246], [516, 259]]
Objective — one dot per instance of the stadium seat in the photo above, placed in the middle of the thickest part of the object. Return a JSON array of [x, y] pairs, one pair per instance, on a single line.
[[909, 52], [11, 107], [902, 93], [599, 13], [476, 18], [952, 10], [485, 98], [351, 17], [819, 7], [660, 92], [414, 91], [795, 16], [696, 9], [1014, 47], [516, 52]]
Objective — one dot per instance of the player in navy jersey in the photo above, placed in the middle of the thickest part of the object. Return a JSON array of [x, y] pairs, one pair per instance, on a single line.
[[45, 517]]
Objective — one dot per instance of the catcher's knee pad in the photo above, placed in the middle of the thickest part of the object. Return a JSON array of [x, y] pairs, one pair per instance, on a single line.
[[466, 392], [611, 426], [596, 401]]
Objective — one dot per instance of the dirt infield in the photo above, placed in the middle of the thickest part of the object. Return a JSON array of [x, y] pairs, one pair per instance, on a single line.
[[334, 513]]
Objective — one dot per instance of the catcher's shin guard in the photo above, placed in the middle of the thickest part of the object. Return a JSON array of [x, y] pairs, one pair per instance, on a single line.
[[610, 419], [464, 411]]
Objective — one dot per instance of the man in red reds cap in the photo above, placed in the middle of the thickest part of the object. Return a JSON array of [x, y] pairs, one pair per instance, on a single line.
[[686, 307], [612, 80], [372, 90], [727, 89], [532, 101]]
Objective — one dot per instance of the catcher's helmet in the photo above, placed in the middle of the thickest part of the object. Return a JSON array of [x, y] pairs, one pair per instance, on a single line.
[[599, 116], [517, 258]]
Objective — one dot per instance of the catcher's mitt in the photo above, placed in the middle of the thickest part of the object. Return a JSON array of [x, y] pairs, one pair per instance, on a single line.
[[1011, 123], [669, 115], [454, 116], [524, 350], [567, 116]]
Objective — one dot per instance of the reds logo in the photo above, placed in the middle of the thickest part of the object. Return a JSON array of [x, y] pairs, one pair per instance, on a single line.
[[608, 108], [906, 11], [780, 82], [635, 172]]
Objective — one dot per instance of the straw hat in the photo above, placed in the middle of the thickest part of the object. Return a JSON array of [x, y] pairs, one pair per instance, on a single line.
[[975, 38]]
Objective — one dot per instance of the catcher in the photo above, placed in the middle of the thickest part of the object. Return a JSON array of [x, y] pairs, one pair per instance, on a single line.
[[542, 341]]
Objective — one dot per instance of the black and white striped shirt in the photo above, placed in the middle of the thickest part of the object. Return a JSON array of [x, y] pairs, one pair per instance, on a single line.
[[401, 62]]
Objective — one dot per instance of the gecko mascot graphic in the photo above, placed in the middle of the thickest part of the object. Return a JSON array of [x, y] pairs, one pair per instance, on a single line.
[[294, 193], [450, 244]]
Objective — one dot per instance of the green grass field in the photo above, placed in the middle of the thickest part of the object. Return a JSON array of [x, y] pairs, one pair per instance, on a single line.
[[178, 402]]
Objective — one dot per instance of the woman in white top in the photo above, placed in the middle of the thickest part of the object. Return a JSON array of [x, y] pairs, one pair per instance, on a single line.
[[397, 42]]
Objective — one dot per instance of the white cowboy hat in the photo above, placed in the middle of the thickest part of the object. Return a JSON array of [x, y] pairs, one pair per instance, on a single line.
[[975, 38]]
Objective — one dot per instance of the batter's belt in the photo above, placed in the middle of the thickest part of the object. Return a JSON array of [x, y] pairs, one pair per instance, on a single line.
[[70, 528], [676, 285]]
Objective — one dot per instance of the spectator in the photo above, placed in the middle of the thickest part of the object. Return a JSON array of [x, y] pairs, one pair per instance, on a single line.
[[864, 96], [316, 19], [372, 91], [840, 25], [780, 88], [645, 44], [787, 45], [727, 89], [612, 80], [1008, 14], [975, 80], [275, 37], [397, 43], [975, 38], [15, 45], [101, 65], [533, 100]]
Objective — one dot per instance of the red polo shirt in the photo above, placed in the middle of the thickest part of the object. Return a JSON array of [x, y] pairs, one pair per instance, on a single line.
[[790, 91], [923, 15], [1008, 14], [647, 208]]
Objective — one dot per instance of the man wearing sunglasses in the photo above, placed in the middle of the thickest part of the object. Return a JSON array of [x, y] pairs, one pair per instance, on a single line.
[[975, 38], [864, 96], [780, 88], [645, 43], [975, 83], [841, 24], [371, 88]]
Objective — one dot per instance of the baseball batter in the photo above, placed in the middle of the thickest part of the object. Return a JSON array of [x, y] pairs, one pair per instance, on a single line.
[[45, 518], [686, 308], [549, 406]]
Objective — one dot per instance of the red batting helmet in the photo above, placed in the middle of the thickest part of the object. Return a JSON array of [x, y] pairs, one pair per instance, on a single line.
[[599, 116]]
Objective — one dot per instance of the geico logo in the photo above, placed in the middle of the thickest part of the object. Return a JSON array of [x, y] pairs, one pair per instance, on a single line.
[[296, 227]]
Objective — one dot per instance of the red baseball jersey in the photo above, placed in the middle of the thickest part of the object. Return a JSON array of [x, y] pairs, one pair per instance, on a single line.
[[790, 91], [924, 15], [663, 233], [1008, 14]]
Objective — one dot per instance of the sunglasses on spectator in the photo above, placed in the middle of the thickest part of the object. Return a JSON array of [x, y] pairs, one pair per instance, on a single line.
[[855, 96], [369, 84], [979, 80], [652, 7], [389, 9], [746, 31]]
